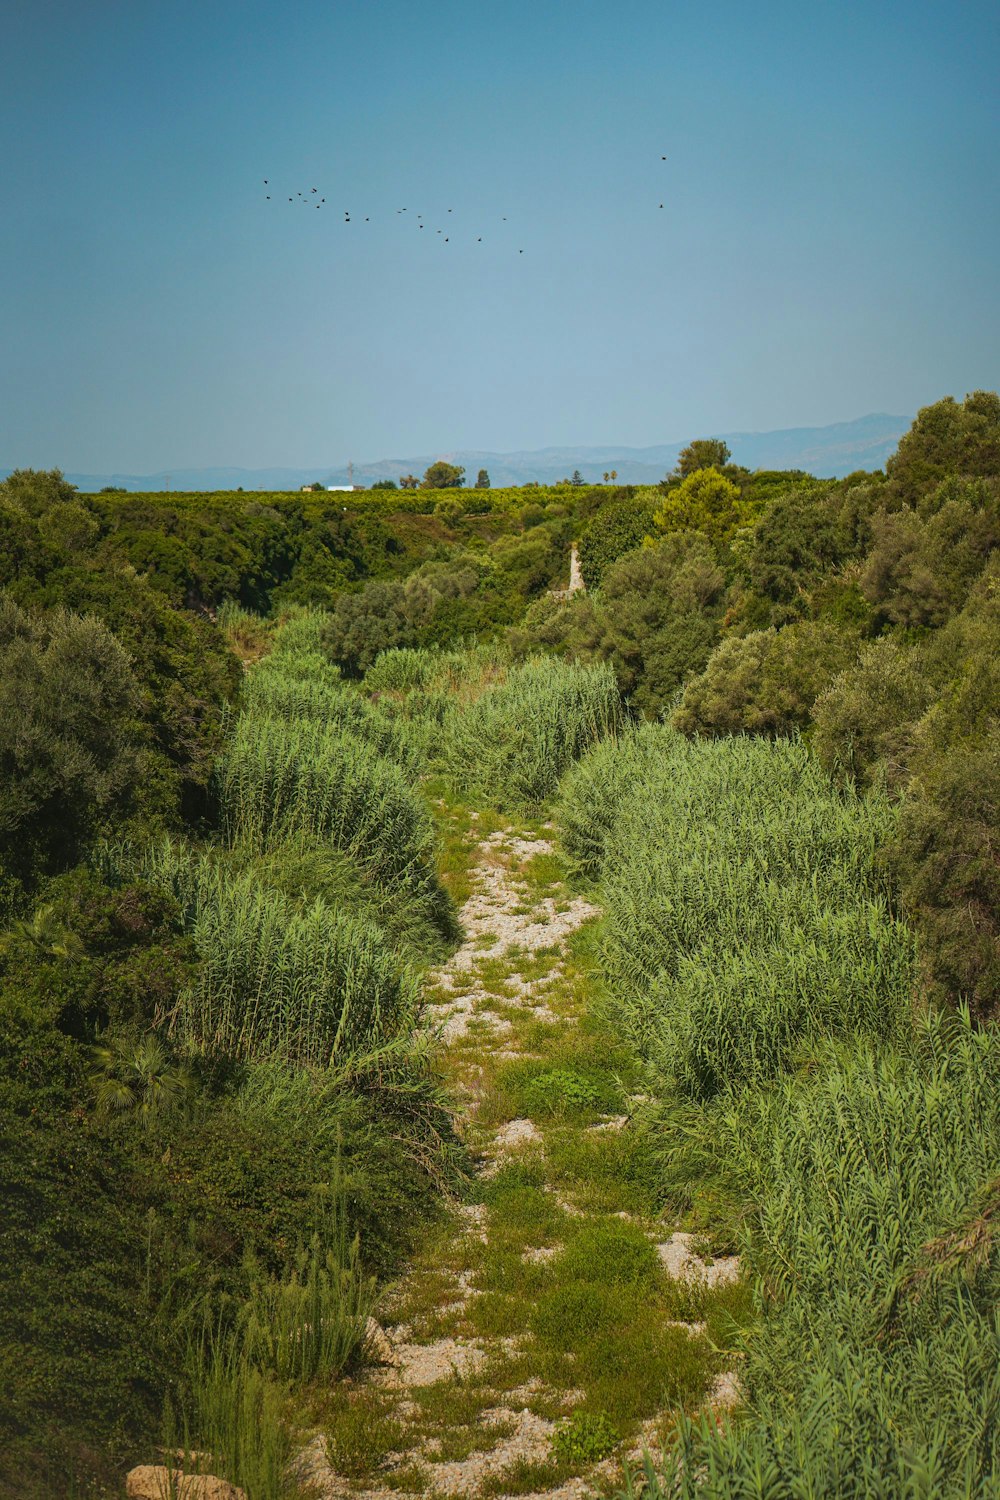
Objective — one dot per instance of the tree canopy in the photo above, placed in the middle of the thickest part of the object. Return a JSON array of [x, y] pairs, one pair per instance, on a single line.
[[705, 501], [443, 476], [703, 453]]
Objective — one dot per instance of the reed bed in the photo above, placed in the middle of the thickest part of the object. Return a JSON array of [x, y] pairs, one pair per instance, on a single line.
[[302, 632], [874, 1249], [311, 986], [514, 742], [744, 910], [302, 781], [405, 669], [303, 688]]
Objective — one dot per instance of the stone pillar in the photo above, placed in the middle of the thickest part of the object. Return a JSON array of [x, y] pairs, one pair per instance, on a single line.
[[576, 583]]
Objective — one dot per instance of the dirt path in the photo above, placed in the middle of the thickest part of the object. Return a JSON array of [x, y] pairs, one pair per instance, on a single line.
[[530, 1345]]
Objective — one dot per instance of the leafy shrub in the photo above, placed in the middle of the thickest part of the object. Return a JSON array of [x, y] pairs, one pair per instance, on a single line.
[[70, 744], [585, 1438], [949, 438], [364, 624], [618, 527], [765, 682], [663, 607], [923, 563], [78, 1366], [559, 1092]]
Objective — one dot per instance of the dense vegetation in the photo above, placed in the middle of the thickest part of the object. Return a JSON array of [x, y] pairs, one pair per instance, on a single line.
[[219, 1116], [806, 1111]]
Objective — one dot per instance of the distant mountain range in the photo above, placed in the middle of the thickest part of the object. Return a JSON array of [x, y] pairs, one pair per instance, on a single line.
[[829, 452]]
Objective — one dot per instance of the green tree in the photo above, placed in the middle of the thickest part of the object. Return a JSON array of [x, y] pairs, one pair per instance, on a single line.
[[443, 476], [364, 624], [924, 562], [705, 501], [703, 453], [34, 490], [617, 528], [384, 484], [482, 480], [766, 682], [577, 477], [409, 482], [662, 608], [69, 736], [954, 438]]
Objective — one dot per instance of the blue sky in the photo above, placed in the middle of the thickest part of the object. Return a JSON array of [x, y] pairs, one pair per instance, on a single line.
[[828, 244]]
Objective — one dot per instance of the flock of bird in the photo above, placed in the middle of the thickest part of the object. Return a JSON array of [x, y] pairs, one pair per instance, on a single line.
[[311, 198]]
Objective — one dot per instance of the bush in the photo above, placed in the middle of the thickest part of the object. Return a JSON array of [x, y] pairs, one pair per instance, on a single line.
[[585, 1438], [663, 607], [364, 624], [923, 564], [766, 682], [69, 738], [618, 527], [948, 438]]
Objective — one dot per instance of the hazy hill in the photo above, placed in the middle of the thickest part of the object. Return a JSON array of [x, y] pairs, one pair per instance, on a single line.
[[864, 443]]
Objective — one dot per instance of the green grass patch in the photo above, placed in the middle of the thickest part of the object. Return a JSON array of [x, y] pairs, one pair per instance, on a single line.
[[544, 873], [580, 1086], [609, 1252], [361, 1432], [606, 1171]]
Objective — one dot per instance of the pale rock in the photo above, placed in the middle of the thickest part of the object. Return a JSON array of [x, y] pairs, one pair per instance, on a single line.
[[153, 1482]]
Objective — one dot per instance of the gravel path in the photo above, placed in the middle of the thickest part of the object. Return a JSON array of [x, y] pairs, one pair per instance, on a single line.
[[503, 919]]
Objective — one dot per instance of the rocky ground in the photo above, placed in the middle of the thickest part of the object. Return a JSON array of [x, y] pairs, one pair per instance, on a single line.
[[502, 1370]]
